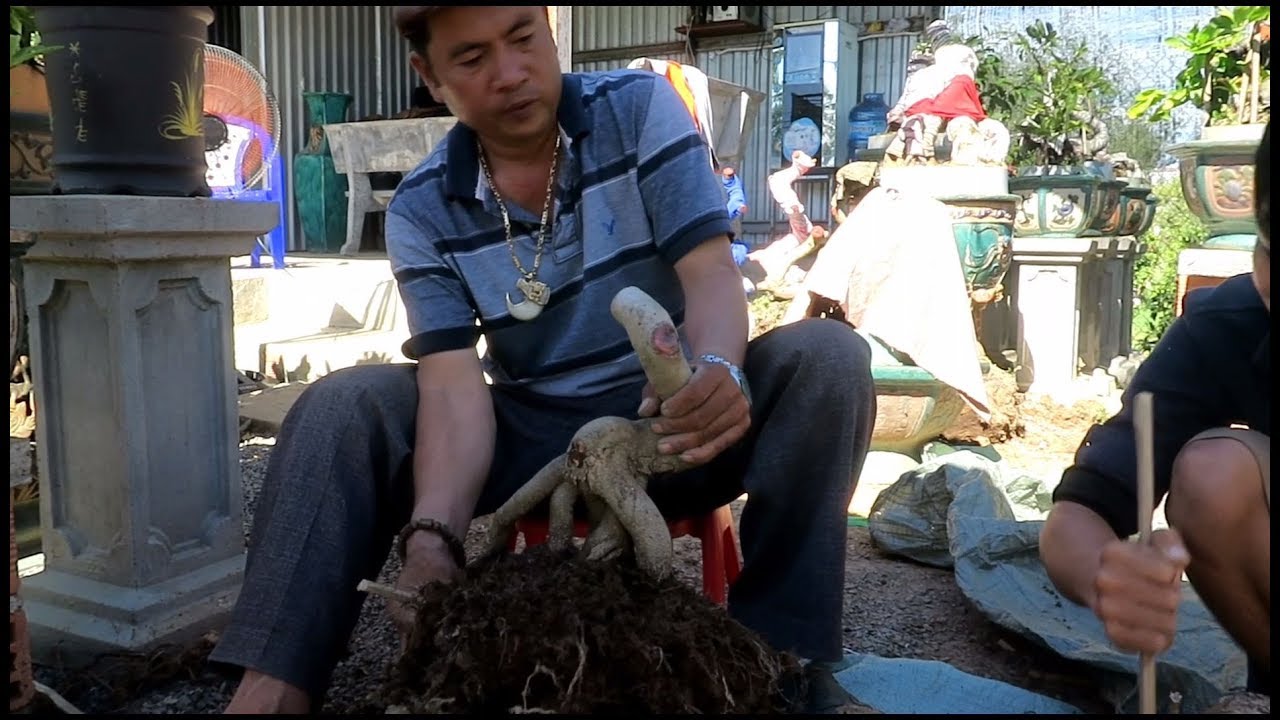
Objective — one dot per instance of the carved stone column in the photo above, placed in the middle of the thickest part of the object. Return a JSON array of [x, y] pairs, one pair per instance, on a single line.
[[129, 301]]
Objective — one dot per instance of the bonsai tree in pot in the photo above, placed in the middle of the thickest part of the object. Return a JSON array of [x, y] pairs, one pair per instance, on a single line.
[[1048, 94], [1226, 76]]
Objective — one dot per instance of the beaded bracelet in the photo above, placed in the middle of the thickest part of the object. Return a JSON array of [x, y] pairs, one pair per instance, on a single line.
[[456, 548]]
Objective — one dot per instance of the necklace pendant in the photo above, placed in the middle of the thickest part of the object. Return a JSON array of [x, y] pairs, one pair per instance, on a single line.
[[536, 295], [535, 290]]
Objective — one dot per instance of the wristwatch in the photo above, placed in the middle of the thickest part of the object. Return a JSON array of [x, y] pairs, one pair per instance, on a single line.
[[735, 372]]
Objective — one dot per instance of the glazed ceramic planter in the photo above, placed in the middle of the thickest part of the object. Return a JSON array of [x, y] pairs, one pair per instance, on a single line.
[[912, 406], [983, 229], [320, 191], [1216, 172], [1150, 217], [1107, 198], [1055, 204], [1136, 203]]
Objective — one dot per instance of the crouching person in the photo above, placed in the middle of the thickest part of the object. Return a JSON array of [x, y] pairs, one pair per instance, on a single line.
[[1210, 376]]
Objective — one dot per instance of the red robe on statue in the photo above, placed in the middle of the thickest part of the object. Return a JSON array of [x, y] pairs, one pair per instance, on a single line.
[[958, 99]]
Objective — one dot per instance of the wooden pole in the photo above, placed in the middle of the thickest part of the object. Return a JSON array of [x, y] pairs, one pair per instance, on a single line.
[[1144, 433], [561, 19]]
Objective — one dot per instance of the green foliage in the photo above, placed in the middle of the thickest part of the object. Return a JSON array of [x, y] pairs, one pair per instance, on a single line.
[[1136, 139], [1004, 94], [24, 40], [1216, 73], [1155, 277], [1045, 94]]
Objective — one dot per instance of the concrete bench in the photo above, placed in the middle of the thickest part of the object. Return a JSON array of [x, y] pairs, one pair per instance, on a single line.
[[378, 146]]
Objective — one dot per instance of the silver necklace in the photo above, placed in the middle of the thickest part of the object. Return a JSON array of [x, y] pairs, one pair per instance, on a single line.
[[535, 292]]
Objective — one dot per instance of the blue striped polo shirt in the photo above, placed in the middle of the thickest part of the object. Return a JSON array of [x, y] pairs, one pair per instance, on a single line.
[[636, 192]]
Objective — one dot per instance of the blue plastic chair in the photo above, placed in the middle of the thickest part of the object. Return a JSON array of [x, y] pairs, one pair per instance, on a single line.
[[232, 186]]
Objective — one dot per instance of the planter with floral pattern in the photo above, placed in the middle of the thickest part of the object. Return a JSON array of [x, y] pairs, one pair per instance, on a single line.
[[1136, 203], [1061, 204], [1217, 182]]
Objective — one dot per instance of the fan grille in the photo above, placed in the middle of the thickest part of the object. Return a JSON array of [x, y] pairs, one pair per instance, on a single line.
[[235, 92]]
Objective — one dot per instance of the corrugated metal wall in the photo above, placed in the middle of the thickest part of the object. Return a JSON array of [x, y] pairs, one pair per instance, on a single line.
[[331, 48], [354, 49], [604, 27], [611, 36]]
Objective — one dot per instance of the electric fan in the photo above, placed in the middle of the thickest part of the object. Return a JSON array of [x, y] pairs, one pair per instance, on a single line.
[[242, 136], [241, 122]]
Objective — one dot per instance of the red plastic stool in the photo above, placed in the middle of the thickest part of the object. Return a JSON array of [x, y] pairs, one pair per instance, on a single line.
[[720, 565]]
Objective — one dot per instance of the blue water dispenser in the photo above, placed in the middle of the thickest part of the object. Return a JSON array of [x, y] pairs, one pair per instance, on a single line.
[[866, 119]]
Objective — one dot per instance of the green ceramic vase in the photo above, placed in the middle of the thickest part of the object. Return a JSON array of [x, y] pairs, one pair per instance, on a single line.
[[319, 191]]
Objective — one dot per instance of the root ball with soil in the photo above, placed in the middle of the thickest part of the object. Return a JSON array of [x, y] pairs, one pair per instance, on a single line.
[[549, 631], [598, 629]]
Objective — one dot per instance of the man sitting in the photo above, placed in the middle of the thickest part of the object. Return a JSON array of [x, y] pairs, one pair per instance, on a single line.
[[1210, 376], [552, 193]]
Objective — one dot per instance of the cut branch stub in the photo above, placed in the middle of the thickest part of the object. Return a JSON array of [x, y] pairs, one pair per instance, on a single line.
[[654, 336]]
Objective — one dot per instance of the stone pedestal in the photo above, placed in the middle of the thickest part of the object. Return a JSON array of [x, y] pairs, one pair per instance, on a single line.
[[1116, 259], [1107, 302], [129, 300], [1052, 309]]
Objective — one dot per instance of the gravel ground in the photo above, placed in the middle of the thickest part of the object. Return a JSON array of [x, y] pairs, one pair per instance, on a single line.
[[893, 609]]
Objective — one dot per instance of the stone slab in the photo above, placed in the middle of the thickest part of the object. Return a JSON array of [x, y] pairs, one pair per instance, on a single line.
[[305, 359], [264, 410], [120, 215], [942, 181], [879, 471], [111, 228]]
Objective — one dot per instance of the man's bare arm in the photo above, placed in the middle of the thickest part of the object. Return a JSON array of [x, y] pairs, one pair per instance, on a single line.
[[1071, 545], [715, 313], [455, 438]]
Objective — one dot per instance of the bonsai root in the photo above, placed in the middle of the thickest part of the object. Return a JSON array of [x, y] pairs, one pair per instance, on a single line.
[[556, 630], [610, 460], [548, 631]]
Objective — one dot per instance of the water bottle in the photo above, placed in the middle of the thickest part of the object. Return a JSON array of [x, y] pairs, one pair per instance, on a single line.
[[867, 118]]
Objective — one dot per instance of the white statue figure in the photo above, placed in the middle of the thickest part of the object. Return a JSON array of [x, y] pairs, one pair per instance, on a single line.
[[944, 95]]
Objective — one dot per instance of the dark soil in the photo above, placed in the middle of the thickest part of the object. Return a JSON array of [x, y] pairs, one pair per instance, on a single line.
[[548, 632], [1005, 421]]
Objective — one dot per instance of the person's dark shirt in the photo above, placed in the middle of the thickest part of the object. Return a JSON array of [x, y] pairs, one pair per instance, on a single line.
[[1211, 369]]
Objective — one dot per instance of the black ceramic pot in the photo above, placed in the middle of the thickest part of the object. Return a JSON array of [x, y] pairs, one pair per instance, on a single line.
[[126, 89]]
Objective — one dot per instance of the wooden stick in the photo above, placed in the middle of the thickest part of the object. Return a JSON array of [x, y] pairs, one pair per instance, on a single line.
[[387, 592], [1144, 435]]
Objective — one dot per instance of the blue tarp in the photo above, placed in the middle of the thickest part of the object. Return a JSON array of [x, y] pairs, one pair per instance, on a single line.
[[957, 511], [903, 685]]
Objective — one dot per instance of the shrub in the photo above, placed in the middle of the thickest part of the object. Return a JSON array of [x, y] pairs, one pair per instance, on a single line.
[[1155, 278]]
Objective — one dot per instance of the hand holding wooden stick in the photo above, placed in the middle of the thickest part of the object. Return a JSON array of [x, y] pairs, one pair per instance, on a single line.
[[387, 592], [1144, 436]]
